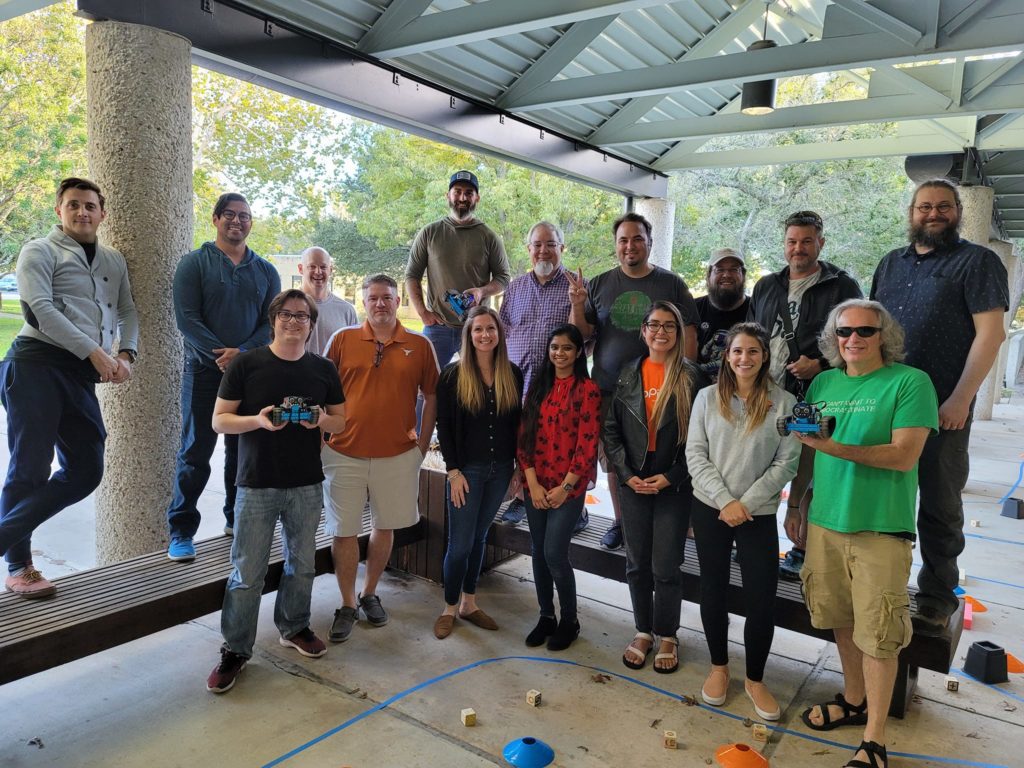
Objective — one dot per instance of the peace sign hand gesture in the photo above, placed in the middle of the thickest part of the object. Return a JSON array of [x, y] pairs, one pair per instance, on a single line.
[[577, 288]]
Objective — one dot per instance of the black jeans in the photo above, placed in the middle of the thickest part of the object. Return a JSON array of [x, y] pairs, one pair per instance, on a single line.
[[757, 542], [941, 475], [654, 533], [551, 530]]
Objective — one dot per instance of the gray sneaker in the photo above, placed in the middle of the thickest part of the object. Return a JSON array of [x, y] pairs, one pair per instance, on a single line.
[[344, 619], [373, 610]]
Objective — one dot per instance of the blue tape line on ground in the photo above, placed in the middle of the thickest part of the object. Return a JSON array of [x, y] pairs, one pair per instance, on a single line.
[[1020, 476], [1003, 691], [611, 673], [993, 538]]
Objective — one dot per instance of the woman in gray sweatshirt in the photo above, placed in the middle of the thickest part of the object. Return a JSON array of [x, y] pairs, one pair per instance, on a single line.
[[739, 464]]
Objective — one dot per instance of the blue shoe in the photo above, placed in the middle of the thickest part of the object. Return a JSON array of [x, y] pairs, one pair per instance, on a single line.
[[581, 522], [514, 513], [182, 549]]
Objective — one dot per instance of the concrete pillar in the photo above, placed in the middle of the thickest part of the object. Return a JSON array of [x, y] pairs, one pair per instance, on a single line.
[[991, 387], [139, 91], [976, 220], [662, 215]]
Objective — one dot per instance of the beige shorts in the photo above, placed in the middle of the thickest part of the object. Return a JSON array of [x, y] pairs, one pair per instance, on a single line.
[[391, 485], [859, 580]]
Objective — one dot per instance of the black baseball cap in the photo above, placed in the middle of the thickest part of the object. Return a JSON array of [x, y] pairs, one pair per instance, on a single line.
[[464, 176]]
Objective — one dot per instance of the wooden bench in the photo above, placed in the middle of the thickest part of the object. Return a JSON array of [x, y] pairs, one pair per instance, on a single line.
[[104, 607], [587, 554]]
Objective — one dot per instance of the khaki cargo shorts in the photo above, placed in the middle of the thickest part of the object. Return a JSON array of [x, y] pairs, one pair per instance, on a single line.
[[859, 580]]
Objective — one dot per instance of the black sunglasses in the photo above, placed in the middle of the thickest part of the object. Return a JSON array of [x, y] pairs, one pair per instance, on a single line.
[[864, 331], [378, 357]]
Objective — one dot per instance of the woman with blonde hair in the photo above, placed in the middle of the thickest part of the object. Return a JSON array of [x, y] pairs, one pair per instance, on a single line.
[[478, 408], [644, 439], [739, 464]]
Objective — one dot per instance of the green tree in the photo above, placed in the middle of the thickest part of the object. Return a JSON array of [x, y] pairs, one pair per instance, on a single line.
[[42, 120], [356, 255]]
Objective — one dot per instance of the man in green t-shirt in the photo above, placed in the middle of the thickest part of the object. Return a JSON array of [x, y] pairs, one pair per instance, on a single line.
[[861, 522]]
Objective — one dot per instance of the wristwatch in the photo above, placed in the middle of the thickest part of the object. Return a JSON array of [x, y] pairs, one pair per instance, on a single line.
[[568, 487], [132, 355]]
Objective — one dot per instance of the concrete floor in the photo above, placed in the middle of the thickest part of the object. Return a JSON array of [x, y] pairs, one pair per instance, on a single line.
[[392, 696]]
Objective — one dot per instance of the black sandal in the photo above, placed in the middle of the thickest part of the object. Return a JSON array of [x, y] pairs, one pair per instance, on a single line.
[[852, 715], [873, 750]]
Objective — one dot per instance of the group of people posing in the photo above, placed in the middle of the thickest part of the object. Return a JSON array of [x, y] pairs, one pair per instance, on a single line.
[[681, 407]]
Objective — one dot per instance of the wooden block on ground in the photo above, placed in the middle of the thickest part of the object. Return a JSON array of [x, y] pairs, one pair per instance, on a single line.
[[669, 740], [533, 697], [468, 717]]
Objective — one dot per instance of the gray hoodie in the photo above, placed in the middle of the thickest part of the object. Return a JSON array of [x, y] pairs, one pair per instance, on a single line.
[[729, 464]]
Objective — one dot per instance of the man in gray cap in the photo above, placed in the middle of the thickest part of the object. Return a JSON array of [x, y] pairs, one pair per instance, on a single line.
[[457, 253], [725, 305]]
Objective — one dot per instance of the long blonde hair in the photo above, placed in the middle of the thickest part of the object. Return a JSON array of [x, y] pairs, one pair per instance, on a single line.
[[470, 387], [758, 404], [677, 377]]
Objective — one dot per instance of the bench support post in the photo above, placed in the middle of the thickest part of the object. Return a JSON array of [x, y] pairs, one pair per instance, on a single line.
[[903, 690]]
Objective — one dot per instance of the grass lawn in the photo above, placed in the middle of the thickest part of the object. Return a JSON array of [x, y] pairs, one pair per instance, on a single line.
[[9, 327]]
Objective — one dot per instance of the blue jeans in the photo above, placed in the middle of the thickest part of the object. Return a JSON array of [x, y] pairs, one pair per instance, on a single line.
[[258, 511], [446, 341], [468, 526], [199, 387], [551, 530], [941, 476], [654, 533], [46, 407]]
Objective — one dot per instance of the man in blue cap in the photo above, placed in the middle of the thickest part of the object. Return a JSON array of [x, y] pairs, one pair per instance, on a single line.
[[458, 252]]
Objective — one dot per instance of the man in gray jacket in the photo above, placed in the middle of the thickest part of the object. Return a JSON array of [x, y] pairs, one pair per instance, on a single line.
[[76, 300]]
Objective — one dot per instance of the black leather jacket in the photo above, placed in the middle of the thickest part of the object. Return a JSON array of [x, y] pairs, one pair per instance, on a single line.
[[771, 293], [625, 430]]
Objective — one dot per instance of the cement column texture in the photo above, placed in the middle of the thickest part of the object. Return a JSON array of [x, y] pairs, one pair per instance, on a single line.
[[976, 226], [139, 91], [662, 215], [991, 387]]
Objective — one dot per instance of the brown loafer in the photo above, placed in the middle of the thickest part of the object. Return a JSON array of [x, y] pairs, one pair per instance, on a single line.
[[443, 626], [481, 619]]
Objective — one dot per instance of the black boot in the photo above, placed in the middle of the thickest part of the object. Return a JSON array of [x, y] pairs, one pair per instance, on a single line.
[[563, 636], [544, 629]]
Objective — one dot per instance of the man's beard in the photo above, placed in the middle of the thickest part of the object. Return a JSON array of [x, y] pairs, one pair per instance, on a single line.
[[462, 210], [724, 298], [946, 237], [543, 268]]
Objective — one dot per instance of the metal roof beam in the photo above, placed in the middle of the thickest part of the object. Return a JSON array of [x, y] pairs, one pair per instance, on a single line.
[[997, 125], [854, 51], [495, 18], [801, 153], [395, 16], [882, 21], [557, 57], [873, 110], [300, 64], [997, 74], [964, 16], [12, 8]]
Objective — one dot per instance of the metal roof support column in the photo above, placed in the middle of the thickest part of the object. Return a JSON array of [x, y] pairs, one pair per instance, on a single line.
[[662, 215], [139, 94]]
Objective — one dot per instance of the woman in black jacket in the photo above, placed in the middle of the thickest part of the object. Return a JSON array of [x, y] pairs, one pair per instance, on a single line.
[[478, 407], [645, 440]]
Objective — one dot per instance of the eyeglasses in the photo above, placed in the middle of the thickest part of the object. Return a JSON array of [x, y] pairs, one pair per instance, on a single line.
[[727, 270], [927, 208], [378, 357], [299, 317], [805, 219], [243, 217], [654, 326], [537, 244], [864, 331]]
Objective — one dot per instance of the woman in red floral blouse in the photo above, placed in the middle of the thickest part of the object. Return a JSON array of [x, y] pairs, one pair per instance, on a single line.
[[558, 439]]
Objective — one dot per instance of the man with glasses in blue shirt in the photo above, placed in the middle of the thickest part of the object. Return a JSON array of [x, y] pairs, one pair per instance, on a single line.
[[222, 293], [949, 295]]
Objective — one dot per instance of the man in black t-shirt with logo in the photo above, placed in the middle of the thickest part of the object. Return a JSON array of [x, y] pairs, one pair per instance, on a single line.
[[279, 478], [725, 305]]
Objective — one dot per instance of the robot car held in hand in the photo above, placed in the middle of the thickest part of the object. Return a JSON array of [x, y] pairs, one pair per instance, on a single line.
[[807, 419], [460, 303], [294, 409]]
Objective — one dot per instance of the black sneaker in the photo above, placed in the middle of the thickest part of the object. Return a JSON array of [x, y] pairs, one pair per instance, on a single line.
[[563, 636], [514, 513], [223, 676], [544, 629], [612, 538], [582, 522], [790, 567]]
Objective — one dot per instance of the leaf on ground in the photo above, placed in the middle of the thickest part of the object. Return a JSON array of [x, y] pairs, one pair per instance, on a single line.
[[972, 735], [655, 723], [690, 701], [600, 677]]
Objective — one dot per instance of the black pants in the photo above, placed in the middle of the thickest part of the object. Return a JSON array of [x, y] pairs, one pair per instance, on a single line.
[[941, 476], [758, 544]]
